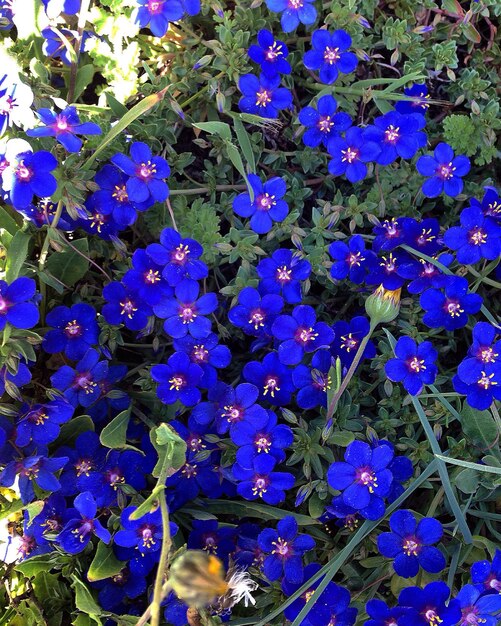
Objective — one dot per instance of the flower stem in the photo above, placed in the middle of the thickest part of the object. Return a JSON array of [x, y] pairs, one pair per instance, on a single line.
[[43, 257], [82, 19]]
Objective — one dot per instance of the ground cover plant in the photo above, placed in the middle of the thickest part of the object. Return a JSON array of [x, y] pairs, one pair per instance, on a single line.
[[250, 317]]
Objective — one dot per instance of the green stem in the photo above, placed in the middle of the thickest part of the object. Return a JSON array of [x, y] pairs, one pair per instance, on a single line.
[[484, 279], [199, 93], [43, 256], [349, 374], [82, 19]]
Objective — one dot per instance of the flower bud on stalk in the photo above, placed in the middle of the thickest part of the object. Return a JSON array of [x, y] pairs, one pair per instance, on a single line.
[[383, 305]]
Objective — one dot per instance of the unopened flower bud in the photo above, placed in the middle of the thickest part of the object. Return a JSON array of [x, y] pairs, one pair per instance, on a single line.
[[197, 578], [383, 305]]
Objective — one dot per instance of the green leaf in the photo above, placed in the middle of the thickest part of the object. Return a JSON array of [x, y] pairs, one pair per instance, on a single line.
[[490, 469], [84, 78], [479, 427], [69, 267], [7, 222], [236, 159], [48, 279], [70, 431], [170, 447], [150, 505], [17, 253], [104, 564], [117, 107], [84, 600], [245, 144], [114, 434], [35, 564], [257, 510], [215, 128]]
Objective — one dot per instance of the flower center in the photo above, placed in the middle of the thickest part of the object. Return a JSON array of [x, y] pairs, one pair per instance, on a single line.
[[470, 616], [120, 193], [273, 52], [453, 308], [187, 313], [351, 522], [493, 209], [389, 264], [432, 618], [367, 478], [265, 202], [194, 443], [494, 583], [486, 381], [271, 385], [262, 443], [325, 124], [260, 485], [350, 155], [146, 533], [85, 382], [84, 466], [391, 228], [152, 277], [190, 471], [355, 259], [263, 97], [177, 382], [487, 355], [477, 236], [281, 548], [38, 417], [392, 134], [61, 123], [445, 171], [155, 6], [146, 171], [180, 253], [257, 318], [210, 544], [200, 354], [428, 269], [128, 308], [416, 365], [426, 236], [411, 546], [98, 220], [348, 342], [3, 305], [86, 527], [331, 55], [284, 274], [73, 329], [23, 173], [321, 381], [115, 477], [233, 413], [307, 595], [304, 335]]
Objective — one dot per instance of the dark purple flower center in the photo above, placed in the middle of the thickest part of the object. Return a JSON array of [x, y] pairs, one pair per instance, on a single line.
[[392, 134], [265, 202], [487, 354], [256, 318], [325, 124], [128, 308], [331, 55], [29, 472], [38, 417], [411, 546], [121, 578], [284, 274], [261, 484], [273, 51], [351, 522], [428, 270], [155, 6], [98, 221], [179, 255], [4, 305], [416, 365], [445, 171], [271, 384], [305, 335], [425, 237], [152, 276], [262, 443], [233, 413], [348, 342], [367, 477], [83, 466], [470, 616], [210, 543], [194, 443], [389, 264], [114, 477], [146, 170], [453, 307], [187, 312], [189, 471], [177, 382], [73, 329], [355, 259], [146, 533], [350, 155], [321, 381], [23, 173], [485, 381], [85, 382], [263, 97], [493, 209], [431, 616], [85, 528], [493, 583], [27, 544], [120, 193], [282, 548], [477, 236], [200, 354]]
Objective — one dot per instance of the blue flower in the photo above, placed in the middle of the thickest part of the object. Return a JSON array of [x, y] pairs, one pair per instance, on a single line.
[[41, 423], [208, 536], [39, 469], [19, 379], [390, 234], [478, 237], [125, 307], [410, 544], [185, 313], [423, 235], [381, 615], [206, 353], [364, 477], [80, 385], [86, 456], [419, 103], [144, 533], [113, 198], [263, 96], [480, 388], [44, 211], [451, 306], [257, 479], [98, 221], [397, 135], [487, 576], [267, 206], [490, 204], [157, 14], [285, 550], [240, 409], [424, 275], [445, 172], [323, 123], [392, 269], [261, 438], [255, 314], [351, 259], [28, 174], [300, 333], [272, 378], [428, 604], [54, 46], [282, 274], [6, 15], [293, 12], [146, 172], [483, 353], [77, 532], [347, 516], [336, 610], [75, 330], [329, 55], [414, 365], [270, 54], [179, 257], [16, 303], [205, 413], [145, 278], [350, 154], [194, 477], [478, 609], [178, 380], [125, 584], [347, 338], [64, 127], [313, 382], [175, 610], [54, 8]]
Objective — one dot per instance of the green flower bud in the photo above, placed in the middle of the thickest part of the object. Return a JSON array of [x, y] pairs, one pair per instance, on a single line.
[[383, 305]]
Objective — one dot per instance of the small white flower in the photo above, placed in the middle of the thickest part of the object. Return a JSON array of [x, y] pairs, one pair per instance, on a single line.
[[240, 587]]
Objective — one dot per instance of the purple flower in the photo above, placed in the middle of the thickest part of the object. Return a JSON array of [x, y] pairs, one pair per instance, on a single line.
[[263, 96], [55, 47], [31, 469], [272, 378], [75, 330], [351, 259], [410, 544], [300, 333], [381, 615], [293, 12], [185, 313], [144, 533], [178, 380], [255, 314], [241, 408], [350, 154], [179, 257], [414, 365], [267, 206], [270, 54], [451, 306], [364, 477], [254, 437], [478, 237], [428, 604], [125, 307], [146, 279], [206, 353], [77, 532], [80, 385], [257, 479], [329, 55], [480, 388], [146, 172], [445, 172], [285, 550], [323, 123], [16, 305], [391, 270], [41, 423], [157, 14], [483, 353], [347, 338], [477, 608], [64, 127], [28, 174], [490, 204], [397, 135]]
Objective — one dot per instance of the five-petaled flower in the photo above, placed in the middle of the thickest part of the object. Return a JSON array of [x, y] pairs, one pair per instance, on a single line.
[[329, 55], [351, 153], [144, 533], [478, 237], [271, 54], [294, 12], [16, 303], [267, 206], [77, 533], [445, 171], [414, 365], [323, 123], [263, 96], [449, 307], [75, 330], [65, 127]]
